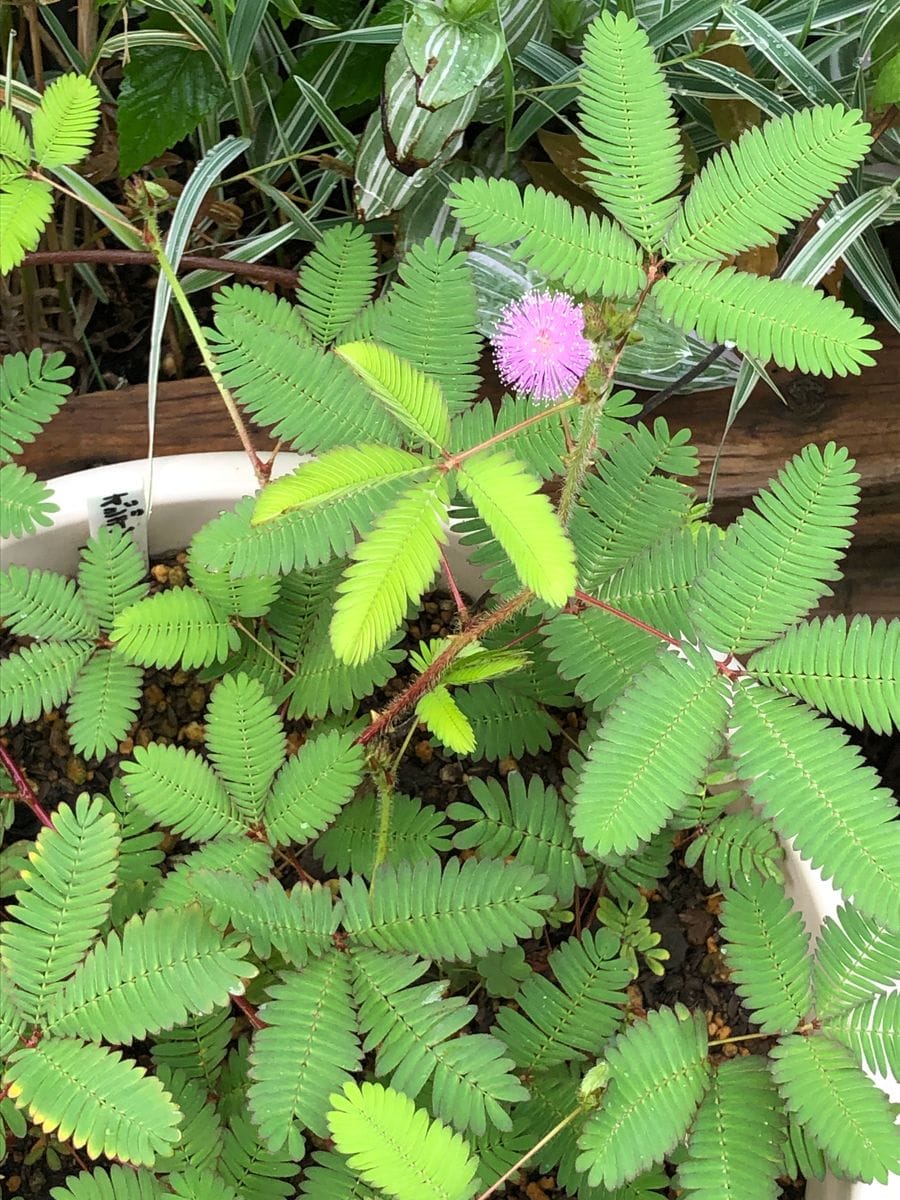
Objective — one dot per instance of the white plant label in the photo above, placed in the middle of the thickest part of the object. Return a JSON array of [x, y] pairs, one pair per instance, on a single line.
[[123, 506]]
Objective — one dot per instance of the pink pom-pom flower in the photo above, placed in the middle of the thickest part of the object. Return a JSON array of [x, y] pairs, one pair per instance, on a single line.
[[540, 347]]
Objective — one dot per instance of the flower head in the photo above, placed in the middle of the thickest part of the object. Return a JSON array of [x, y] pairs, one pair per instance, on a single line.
[[540, 347]]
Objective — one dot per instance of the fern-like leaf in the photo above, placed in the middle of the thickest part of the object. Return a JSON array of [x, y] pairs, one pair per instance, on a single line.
[[166, 966], [336, 280], [529, 822], [311, 400], [767, 953], [392, 566], [40, 677], [297, 925], [111, 574], [629, 504], [307, 1049], [396, 1147], [523, 522], [766, 181], [114, 1183], [255, 1172], [227, 854], [775, 563], [418, 831], [443, 717], [851, 670], [566, 245], [313, 786], [734, 1148], [25, 502], [447, 911], [634, 153], [332, 1179], [855, 957], [872, 1032], [599, 652], [104, 702], [333, 479], [410, 396], [552, 1025], [814, 787], [504, 721], [63, 902], [177, 627], [245, 742], [89, 1095], [539, 446], [651, 753], [735, 849], [180, 791], [413, 1029], [821, 336], [32, 390], [846, 1114], [26, 206], [15, 150], [251, 596], [658, 1073], [197, 1048], [655, 584], [430, 319], [62, 128], [201, 1131], [44, 605]]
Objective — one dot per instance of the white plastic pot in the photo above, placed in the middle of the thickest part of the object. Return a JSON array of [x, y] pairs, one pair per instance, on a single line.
[[190, 489]]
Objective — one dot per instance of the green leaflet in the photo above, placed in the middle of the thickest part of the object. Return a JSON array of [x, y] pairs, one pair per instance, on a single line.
[[131, 1117], [396, 1147], [776, 562], [32, 390], [418, 831], [633, 150], [392, 566], [581, 251], [734, 1147], [336, 280], [111, 574], [244, 741], [44, 605], [25, 502], [40, 677], [181, 791], [814, 788], [443, 717], [523, 522], [64, 901], [177, 627], [114, 1183], [105, 699], [767, 181], [113, 996], [409, 395], [846, 1114], [308, 1048], [725, 305], [334, 477], [651, 753], [851, 670], [312, 787], [658, 1073], [767, 953], [445, 912]]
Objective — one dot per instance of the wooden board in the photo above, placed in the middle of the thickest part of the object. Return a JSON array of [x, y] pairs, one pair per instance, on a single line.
[[860, 412]]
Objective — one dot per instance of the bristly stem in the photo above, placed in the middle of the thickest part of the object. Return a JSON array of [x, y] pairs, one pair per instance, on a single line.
[[581, 458], [384, 790], [567, 1120], [430, 677], [453, 460], [24, 790], [585, 598], [260, 469]]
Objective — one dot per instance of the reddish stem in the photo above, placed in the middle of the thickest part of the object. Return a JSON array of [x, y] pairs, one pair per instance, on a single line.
[[430, 677], [199, 262], [617, 612], [452, 461], [248, 1010], [24, 790], [454, 590]]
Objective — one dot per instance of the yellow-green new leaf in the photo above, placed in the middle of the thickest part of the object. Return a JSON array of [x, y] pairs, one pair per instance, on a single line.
[[394, 565], [333, 477], [410, 396], [444, 718], [396, 1147], [25, 208], [88, 1095], [63, 127], [15, 153], [523, 522]]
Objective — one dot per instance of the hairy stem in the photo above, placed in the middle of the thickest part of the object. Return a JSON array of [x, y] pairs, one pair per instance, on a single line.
[[430, 677], [384, 790], [259, 468], [24, 790], [581, 458], [454, 460], [593, 602]]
